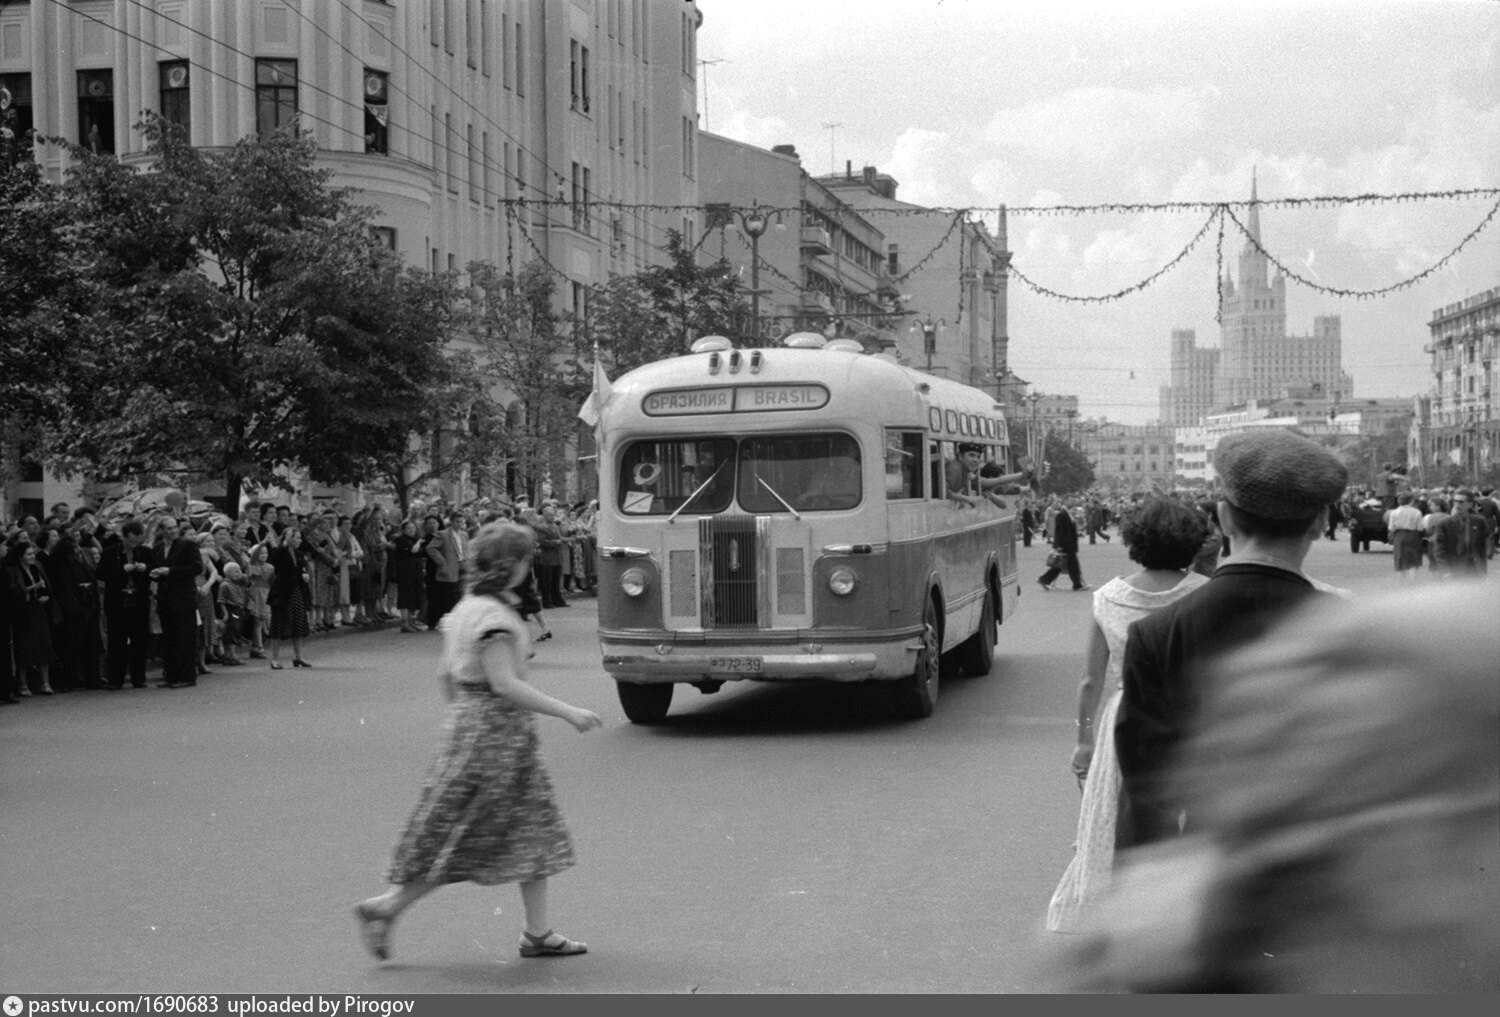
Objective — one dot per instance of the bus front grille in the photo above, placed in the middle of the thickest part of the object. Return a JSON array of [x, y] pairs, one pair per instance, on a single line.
[[730, 550]]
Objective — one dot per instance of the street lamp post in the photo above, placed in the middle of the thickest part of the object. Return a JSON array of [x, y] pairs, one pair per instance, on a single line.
[[1070, 414], [929, 330], [754, 224]]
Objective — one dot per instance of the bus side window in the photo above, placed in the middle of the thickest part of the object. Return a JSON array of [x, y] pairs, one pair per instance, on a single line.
[[903, 464], [935, 470]]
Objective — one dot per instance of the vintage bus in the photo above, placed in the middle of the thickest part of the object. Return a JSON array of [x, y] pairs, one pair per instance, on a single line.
[[789, 513]]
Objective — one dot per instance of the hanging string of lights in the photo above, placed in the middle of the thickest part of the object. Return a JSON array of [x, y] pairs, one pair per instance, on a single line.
[[1372, 293], [958, 217], [1041, 290]]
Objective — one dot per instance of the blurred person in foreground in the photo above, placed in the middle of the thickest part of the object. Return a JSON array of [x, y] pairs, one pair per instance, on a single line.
[[1277, 487], [1345, 784]]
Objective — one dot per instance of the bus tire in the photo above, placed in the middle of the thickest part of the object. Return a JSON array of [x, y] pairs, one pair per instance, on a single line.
[[976, 655], [916, 694], [645, 704]]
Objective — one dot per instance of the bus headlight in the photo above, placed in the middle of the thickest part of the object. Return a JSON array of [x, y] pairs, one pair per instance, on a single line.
[[633, 582], [841, 581]]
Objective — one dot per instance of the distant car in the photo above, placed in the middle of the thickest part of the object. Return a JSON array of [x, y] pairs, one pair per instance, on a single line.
[[1367, 523]]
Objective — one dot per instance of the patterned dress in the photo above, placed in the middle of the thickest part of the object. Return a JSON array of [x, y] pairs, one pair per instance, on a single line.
[[487, 813], [1087, 879]]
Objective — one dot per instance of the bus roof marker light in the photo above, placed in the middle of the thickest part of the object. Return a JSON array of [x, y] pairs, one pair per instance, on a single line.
[[734, 361], [755, 359], [711, 343], [713, 363], [805, 341]]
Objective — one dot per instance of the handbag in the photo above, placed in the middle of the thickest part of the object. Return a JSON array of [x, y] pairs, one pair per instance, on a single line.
[[1056, 560]]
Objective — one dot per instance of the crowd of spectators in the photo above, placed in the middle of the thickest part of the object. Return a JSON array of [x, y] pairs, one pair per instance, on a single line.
[[90, 599]]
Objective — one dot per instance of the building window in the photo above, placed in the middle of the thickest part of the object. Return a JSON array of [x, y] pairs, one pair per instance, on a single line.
[[892, 259], [96, 111], [486, 30], [505, 65], [175, 108], [275, 96], [689, 142], [520, 58], [450, 147], [377, 112], [474, 166], [17, 116], [471, 32], [488, 155], [385, 236], [578, 76]]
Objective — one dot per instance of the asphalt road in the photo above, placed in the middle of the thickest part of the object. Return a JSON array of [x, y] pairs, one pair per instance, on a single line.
[[765, 839]]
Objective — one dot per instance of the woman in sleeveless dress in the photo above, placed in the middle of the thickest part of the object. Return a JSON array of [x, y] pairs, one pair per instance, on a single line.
[[487, 813], [1163, 536]]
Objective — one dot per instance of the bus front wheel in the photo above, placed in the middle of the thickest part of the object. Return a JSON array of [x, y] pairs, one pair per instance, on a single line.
[[977, 654], [645, 704], [917, 693]]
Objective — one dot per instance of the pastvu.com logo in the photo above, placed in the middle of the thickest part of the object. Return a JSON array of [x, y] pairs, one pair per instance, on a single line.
[[13, 1006]]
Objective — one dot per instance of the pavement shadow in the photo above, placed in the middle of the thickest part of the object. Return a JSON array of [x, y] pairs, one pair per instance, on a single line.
[[759, 709]]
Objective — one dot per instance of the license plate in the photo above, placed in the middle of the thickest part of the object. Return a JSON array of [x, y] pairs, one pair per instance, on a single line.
[[735, 665]]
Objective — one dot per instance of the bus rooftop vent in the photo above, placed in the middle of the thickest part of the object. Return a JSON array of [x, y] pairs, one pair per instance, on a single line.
[[845, 346], [805, 341], [711, 343]]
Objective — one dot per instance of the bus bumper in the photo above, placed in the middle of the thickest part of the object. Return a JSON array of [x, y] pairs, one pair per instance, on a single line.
[[729, 666]]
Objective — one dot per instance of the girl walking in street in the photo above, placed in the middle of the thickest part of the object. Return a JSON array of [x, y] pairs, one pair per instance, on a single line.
[[289, 596], [486, 813], [1163, 536]]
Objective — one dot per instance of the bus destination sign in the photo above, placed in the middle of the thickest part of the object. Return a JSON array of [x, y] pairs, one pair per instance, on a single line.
[[734, 399]]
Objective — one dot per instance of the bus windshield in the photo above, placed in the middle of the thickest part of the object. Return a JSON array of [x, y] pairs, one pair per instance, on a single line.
[[662, 475], [801, 472]]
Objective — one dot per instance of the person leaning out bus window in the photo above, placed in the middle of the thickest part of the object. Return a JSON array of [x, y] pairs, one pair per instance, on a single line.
[[958, 474]]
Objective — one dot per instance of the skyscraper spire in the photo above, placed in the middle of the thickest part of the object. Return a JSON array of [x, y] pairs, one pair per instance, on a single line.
[[1253, 220]]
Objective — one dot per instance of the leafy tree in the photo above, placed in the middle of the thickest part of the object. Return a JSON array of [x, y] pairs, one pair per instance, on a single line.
[[243, 320], [659, 311], [1067, 470], [532, 350]]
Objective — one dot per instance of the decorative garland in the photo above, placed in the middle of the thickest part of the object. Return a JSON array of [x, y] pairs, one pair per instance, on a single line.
[[1135, 288], [1366, 294]]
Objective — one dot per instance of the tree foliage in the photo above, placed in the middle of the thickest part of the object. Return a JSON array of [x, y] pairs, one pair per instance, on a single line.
[[531, 350], [1064, 469], [659, 311], [240, 319]]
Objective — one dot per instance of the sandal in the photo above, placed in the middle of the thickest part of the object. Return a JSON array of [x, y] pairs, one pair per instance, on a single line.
[[550, 945], [375, 930]]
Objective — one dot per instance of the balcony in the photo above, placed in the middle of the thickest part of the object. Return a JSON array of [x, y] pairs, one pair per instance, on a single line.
[[816, 241]]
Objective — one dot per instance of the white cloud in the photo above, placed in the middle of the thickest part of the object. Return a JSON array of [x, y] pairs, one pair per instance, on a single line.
[[922, 163], [1097, 125]]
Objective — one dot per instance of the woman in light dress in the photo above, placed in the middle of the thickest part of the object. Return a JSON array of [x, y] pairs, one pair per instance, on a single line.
[[487, 813], [1163, 536]]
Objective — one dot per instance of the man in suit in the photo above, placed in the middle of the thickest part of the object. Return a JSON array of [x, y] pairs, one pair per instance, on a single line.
[[1065, 543], [1277, 487], [177, 605], [127, 607]]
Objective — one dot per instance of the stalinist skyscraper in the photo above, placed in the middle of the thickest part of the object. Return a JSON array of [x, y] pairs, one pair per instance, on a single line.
[[1256, 358]]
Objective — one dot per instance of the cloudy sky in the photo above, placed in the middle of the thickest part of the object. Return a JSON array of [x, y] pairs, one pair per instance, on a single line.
[[978, 103]]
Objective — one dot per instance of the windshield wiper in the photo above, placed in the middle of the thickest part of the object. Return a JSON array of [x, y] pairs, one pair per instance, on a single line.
[[768, 487], [699, 491]]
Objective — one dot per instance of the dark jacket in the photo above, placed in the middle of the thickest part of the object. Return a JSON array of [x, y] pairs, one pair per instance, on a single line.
[[118, 582], [178, 589], [1064, 532], [289, 573], [1166, 663]]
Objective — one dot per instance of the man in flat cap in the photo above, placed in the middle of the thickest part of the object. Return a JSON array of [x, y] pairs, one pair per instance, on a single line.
[[1277, 487]]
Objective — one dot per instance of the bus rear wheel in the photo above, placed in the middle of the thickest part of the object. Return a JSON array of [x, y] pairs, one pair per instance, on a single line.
[[645, 704], [916, 694], [977, 654]]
